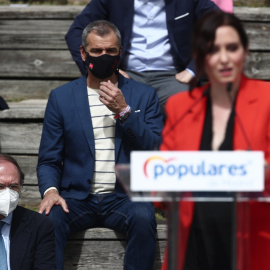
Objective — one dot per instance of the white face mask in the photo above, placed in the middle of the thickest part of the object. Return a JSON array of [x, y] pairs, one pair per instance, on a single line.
[[8, 201]]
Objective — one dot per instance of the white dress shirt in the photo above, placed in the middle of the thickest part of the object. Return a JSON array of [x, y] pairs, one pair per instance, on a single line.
[[150, 46]]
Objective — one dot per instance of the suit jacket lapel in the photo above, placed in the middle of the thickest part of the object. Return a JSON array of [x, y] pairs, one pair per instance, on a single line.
[[246, 103], [82, 104], [20, 235], [170, 10], [193, 133]]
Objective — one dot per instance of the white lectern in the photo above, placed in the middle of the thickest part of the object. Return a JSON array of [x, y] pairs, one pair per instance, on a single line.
[[204, 176]]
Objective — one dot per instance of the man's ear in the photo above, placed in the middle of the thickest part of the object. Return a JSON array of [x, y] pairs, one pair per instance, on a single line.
[[120, 50], [83, 54]]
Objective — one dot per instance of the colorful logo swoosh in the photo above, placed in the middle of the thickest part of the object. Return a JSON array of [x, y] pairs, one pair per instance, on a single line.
[[154, 158]]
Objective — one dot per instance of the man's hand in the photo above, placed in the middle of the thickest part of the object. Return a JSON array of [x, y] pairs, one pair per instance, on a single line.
[[112, 97], [184, 76], [50, 199], [123, 73]]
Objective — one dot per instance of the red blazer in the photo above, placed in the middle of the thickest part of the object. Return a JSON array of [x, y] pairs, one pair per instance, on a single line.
[[253, 110]]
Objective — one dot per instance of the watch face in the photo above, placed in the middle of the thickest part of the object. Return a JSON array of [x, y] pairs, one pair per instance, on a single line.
[[125, 116]]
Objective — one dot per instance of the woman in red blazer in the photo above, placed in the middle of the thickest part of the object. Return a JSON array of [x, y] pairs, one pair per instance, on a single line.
[[231, 112]]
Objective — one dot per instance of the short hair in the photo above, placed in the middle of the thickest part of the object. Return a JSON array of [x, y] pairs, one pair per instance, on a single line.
[[101, 28], [205, 31], [8, 158]]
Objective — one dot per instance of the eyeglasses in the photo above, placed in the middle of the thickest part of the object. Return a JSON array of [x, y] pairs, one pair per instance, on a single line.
[[15, 187]]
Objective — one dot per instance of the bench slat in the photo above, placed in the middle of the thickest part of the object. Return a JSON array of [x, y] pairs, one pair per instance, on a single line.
[[49, 34], [99, 255], [38, 64], [59, 64], [40, 12], [20, 138], [34, 34], [28, 89], [104, 233]]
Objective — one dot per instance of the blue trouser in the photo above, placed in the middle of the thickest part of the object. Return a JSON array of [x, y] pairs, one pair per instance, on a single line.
[[135, 219]]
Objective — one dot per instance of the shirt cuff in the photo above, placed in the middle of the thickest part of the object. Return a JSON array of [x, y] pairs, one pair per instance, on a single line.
[[48, 189], [190, 71]]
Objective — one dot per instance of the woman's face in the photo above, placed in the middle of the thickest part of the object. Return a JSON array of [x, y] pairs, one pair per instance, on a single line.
[[225, 62]]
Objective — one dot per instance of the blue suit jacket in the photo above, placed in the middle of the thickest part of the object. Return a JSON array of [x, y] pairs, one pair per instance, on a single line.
[[181, 16], [32, 243], [67, 151]]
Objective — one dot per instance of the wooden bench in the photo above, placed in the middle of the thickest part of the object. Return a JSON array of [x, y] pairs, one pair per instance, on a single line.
[[104, 249], [34, 59]]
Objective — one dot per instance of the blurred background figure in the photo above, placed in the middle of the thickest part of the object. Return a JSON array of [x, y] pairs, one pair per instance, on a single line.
[[232, 112], [156, 39], [3, 104], [225, 5]]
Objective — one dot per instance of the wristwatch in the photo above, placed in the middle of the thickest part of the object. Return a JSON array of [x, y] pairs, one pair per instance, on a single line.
[[125, 116]]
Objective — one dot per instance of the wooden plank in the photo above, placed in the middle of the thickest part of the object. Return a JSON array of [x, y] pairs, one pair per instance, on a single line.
[[28, 165], [102, 255], [37, 12], [258, 35], [256, 14], [70, 12], [38, 64], [28, 89], [35, 113], [104, 233], [34, 34], [59, 64], [261, 9], [258, 65], [30, 197], [20, 138], [49, 34]]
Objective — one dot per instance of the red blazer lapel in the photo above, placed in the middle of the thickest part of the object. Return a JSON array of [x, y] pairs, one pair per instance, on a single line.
[[193, 123], [246, 117]]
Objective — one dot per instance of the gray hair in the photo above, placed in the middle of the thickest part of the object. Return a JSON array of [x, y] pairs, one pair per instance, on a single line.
[[101, 28], [8, 158]]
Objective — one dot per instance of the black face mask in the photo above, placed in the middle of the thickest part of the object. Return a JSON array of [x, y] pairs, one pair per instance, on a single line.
[[102, 66]]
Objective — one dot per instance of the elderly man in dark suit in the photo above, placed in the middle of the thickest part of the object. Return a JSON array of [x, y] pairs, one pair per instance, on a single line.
[[26, 237]]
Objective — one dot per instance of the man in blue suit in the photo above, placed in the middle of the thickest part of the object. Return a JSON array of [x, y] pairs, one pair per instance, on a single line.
[[91, 124], [27, 238], [156, 39]]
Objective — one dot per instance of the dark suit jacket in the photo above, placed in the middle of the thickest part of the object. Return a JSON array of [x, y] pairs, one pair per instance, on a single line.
[[253, 110], [121, 13], [67, 150], [32, 242]]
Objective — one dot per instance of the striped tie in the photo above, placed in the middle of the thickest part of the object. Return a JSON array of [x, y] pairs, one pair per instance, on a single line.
[[3, 254]]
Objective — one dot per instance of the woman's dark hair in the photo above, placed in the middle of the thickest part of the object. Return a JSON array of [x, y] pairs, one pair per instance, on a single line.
[[205, 31]]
